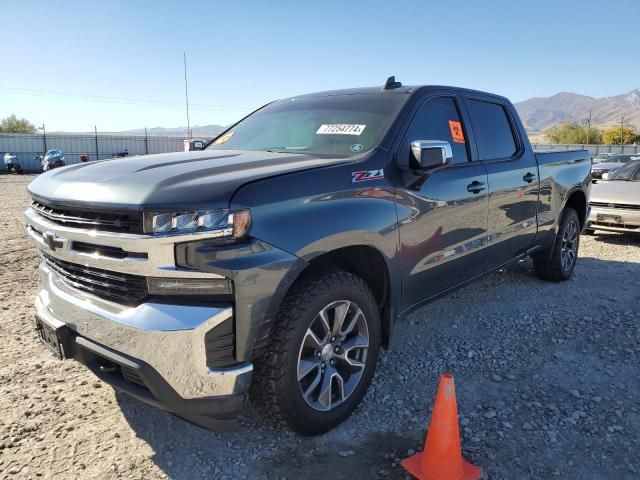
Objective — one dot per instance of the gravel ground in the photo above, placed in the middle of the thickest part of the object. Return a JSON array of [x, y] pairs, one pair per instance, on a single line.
[[546, 378]]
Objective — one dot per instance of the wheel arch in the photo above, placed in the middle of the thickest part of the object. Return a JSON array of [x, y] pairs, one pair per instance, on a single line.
[[577, 200], [366, 262]]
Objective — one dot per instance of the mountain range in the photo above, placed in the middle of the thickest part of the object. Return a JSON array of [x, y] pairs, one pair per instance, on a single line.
[[200, 131], [540, 113]]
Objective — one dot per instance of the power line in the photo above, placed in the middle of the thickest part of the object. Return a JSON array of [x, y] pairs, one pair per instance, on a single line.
[[120, 100]]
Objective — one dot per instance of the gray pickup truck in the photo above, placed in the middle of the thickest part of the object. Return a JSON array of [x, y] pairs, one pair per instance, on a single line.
[[280, 256]]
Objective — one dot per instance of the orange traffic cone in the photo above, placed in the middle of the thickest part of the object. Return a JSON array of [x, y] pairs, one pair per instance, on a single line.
[[441, 458]]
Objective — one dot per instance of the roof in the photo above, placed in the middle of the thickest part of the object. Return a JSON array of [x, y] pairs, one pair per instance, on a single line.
[[403, 89]]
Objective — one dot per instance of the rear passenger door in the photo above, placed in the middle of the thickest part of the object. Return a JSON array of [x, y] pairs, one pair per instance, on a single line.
[[513, 178]]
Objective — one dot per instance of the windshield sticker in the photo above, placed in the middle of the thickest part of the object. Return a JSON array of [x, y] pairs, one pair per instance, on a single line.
[[356, 147], [224, 138], [366, 175], [456, 131], [340, 129]]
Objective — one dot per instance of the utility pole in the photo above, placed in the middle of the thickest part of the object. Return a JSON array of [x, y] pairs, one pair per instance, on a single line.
[[95, 129], [588, 126], [186, 94], [621, 131], [44, 139]]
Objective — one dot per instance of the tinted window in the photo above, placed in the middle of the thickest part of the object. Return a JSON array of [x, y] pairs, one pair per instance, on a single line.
[[492, 130], [438, 119]]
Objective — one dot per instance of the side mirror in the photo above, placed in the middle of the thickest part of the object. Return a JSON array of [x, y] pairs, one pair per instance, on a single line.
[[428, 154], [605, 176]]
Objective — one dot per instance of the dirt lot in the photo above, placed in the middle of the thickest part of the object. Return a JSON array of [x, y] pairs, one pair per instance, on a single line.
[[547, 378]]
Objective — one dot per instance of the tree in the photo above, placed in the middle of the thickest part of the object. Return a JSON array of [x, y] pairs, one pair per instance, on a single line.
[[573, 133], [612, 136], [13, 124]]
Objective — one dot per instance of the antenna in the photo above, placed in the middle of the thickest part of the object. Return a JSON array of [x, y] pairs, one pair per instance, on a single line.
[[391, 83], [186, 94]]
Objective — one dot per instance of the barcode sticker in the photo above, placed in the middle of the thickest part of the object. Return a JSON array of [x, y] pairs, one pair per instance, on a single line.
[[341, 129]]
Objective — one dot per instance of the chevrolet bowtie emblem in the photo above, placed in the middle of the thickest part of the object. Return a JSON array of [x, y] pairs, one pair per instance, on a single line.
[[53, 241]]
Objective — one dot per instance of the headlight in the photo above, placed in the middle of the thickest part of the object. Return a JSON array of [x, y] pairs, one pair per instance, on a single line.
[[226, 223]]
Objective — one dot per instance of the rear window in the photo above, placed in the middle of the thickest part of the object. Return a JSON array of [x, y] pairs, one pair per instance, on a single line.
[[492, 130]]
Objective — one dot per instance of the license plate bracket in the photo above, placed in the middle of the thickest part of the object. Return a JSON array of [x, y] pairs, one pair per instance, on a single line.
[[608, 218], [55, 338]]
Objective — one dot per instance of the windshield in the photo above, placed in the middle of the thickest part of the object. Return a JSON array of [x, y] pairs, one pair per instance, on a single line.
[[629, 171], [334, 125], [618, 159]]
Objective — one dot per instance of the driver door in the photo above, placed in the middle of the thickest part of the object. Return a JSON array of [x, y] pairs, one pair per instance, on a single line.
[[442, 213]]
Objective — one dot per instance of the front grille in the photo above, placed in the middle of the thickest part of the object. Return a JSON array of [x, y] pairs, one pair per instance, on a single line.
[[121, 222], [118, 287], [624, 206]]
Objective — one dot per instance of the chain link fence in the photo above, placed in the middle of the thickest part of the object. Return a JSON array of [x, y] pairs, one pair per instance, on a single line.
[[594, 149], [28, 147]]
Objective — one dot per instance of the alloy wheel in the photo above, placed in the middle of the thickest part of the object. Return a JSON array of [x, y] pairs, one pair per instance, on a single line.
[[333, 354], [569, 245]]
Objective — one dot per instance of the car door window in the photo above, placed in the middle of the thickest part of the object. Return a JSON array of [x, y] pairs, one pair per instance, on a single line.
[[492, 130], [438, 119]]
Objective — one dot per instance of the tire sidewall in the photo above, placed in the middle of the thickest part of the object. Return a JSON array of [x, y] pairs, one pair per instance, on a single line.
[[300, 412]]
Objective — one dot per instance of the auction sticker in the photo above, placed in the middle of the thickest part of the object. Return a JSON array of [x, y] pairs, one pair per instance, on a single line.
[[341, 129], [456, 131]]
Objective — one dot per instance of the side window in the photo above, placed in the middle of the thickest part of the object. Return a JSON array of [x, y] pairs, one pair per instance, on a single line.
[[492, 130], [438, 119]]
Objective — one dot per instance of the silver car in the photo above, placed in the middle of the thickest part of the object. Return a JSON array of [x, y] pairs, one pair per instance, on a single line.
[[615, 203]]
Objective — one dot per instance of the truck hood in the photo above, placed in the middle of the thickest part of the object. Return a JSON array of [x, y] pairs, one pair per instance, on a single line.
[[181, 180], [616, 191]]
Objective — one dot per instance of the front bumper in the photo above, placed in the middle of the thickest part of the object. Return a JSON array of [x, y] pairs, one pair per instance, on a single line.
[[155, 352], [601, 218]]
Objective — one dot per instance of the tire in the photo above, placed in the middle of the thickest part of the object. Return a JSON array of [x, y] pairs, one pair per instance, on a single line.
[[559, 265], [293, 350]]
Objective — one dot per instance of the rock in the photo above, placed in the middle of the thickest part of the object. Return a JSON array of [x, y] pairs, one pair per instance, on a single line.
[[347, 453], [496, 378], [489, 414], [527, 426]]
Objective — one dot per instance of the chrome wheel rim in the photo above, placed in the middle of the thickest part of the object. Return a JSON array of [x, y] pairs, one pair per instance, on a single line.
[[333, 355], [569, 245]]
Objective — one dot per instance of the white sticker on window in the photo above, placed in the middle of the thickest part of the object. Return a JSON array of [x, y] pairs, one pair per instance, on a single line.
[[341, 129]]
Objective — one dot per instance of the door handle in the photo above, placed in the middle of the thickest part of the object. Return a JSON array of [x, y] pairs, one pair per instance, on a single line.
[[529, 177], [475, 187]]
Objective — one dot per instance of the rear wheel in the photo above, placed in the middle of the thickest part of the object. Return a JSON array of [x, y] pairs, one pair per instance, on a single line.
[[322, 354], [559, 266]]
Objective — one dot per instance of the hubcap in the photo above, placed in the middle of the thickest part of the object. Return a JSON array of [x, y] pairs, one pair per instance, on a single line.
[[569, 245], [333, 355]]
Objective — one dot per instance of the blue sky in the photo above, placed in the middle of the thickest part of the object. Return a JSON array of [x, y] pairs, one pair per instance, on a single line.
[[118, 64]]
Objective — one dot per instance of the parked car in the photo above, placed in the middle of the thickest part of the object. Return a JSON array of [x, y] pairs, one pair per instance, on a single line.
[[284, 253], [609, 165], [602, 157], [615, 203], [54, 158], [11, 163]]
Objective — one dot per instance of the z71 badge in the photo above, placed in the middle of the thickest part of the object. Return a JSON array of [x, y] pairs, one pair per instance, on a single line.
[[366, 175]]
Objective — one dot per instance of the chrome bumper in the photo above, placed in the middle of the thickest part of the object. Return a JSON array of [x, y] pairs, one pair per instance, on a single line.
[[629, 220], [169, 338]]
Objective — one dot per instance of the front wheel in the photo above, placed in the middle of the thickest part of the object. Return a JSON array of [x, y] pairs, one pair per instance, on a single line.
[[322, 353], [559, 265]]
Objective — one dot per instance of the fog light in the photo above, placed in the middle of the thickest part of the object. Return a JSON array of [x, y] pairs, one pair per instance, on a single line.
[[189, 286]]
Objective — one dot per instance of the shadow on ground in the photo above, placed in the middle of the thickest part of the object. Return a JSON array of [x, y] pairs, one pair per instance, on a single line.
[[571, 342]]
